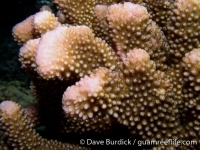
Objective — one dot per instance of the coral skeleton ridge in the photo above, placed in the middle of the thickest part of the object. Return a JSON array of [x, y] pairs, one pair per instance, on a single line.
[[100, 68]]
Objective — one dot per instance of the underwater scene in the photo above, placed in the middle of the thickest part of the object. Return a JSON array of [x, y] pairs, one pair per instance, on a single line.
[[100, 74]]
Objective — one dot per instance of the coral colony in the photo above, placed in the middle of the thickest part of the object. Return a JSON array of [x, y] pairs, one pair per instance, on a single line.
[[97, 67]]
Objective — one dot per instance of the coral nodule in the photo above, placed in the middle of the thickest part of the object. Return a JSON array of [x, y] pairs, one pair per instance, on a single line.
[[108, 69]]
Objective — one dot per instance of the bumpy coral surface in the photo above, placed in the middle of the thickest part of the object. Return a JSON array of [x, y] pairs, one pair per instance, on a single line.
[[109, 69]]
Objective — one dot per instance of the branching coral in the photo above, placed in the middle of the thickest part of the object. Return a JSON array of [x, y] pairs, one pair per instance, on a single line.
[[128, 65], [27, 138]]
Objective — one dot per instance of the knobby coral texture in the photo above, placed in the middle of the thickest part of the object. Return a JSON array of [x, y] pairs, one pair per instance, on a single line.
[[102, 68]]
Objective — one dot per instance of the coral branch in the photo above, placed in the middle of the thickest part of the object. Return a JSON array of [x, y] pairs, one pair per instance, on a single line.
[[19, 132]]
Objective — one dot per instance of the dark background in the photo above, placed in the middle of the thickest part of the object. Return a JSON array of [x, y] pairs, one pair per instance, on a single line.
[[12, 12], [14, 82]]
